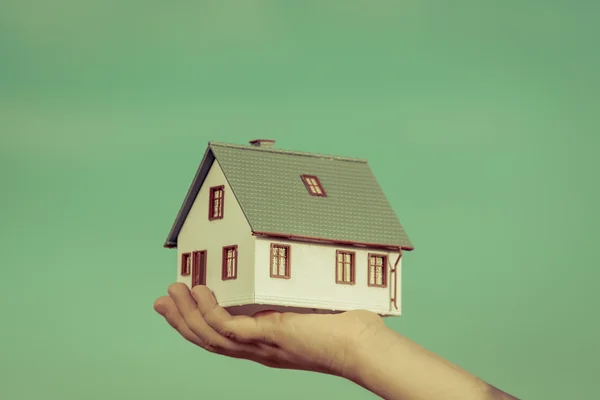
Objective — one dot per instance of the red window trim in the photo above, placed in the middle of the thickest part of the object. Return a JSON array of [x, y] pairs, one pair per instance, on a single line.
[[224, 262], [352, 267], [211, 203], [309, 187], [288, 263], [384, 272], [186, 267]]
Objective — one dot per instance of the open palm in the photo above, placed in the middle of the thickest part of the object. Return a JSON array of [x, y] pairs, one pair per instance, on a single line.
[[316, 342]]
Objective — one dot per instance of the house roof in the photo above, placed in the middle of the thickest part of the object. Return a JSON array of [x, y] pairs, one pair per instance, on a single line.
[[268, 186]]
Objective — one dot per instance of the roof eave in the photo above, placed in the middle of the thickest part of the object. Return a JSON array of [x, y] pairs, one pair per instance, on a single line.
[[387, 246], [193, 190]]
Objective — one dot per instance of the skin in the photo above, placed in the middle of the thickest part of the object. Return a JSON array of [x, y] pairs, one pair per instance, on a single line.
[[355, 345]]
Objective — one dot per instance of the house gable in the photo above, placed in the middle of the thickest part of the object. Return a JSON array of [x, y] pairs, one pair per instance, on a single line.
[[214, 236], [199, 225]]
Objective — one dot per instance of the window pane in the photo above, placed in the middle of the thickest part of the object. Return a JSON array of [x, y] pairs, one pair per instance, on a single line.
[[371, 275], [347, 257], [379, 260], [379, 276], [340, 257], [347, 277], [282, 270], [185, 264], [339, 271]]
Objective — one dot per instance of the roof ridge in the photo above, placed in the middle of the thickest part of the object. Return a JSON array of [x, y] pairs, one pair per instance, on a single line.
[[289, 152]]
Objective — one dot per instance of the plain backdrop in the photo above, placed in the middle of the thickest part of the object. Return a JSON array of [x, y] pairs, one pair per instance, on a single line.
[[479, 118]]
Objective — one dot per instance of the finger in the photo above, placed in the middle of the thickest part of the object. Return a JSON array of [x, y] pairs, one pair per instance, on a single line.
[[211, 339], [239, 328], [160, 306], [268, 357], [260, 353], [166, 307]]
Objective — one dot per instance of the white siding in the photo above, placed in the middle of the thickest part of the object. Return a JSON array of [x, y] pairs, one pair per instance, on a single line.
[[198, 233], [312, 283]]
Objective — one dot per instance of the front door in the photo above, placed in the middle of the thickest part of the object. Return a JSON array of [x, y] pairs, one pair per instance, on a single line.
[[199, 268]]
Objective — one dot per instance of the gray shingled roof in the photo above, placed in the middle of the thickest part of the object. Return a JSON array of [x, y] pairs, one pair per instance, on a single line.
[[267, 183]]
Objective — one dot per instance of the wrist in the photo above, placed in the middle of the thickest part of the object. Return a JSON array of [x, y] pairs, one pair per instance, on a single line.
[[394, 367], [362, 350]]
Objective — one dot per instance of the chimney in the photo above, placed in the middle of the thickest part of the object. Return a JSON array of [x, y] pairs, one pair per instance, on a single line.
[[264, 143]]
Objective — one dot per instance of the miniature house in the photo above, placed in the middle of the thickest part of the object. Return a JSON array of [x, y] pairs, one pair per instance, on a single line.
[[270, 229]]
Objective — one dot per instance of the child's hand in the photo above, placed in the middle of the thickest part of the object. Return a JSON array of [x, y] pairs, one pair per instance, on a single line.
[[316, 342]]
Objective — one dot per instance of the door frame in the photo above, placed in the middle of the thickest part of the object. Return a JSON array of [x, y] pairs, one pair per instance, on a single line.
[[198, 270]]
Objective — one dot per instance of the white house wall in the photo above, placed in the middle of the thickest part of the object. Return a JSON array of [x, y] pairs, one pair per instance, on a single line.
[[199, 233], [312, 283]]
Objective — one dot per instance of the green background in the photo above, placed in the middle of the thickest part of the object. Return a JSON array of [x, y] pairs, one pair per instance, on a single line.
[[479, 118]]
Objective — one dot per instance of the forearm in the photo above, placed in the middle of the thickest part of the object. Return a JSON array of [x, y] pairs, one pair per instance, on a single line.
[[396, 368]]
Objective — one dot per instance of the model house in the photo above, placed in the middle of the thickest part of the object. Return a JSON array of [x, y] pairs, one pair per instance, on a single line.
[[274, 229]]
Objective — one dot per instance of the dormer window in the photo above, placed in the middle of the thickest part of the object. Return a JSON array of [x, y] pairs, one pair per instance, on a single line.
[[216, 201], [313, 185]]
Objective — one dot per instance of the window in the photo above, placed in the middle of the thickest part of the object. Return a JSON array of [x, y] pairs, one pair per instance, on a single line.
[[186, 263], [344, 267], [377, 270], [313, 185], [215, 207], [229, 262], [280, 261]]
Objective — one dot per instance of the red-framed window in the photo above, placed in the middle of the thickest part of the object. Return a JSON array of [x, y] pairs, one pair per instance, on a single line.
[[280, 261], [216, 202], [345, 267], [186, 263], [230, 262], [313, 185], [377, 270]]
